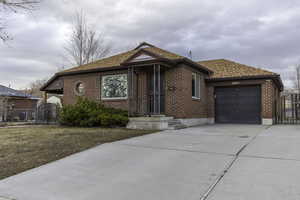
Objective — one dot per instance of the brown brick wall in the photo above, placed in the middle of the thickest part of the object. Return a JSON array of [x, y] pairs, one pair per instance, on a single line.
[[210, 101], [92, 83], [178, 93], [268, 95], [179, 101]]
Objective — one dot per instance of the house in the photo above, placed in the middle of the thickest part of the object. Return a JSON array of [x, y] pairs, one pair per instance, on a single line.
[[16, 105], [160, 88]]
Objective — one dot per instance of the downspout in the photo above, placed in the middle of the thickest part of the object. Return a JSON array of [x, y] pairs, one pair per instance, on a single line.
[[159, 89], [154, 89]]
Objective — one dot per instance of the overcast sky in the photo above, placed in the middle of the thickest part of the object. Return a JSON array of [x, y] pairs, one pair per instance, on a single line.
[[260, 33]]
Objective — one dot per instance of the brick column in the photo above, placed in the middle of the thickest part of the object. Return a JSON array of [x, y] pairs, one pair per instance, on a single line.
[[267, 93]]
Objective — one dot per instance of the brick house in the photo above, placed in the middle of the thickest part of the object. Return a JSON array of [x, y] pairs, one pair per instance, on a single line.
[[149, 81], [16, 105]]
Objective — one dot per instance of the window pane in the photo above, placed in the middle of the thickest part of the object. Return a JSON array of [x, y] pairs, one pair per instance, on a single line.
[[114, 86], [193, 85], [198, 86]]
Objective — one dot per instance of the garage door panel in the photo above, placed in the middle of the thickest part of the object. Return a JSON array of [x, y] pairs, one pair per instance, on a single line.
[[239, 104]]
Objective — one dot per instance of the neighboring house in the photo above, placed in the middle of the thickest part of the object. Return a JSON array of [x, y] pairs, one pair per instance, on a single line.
[[149, 81], [16, 105]]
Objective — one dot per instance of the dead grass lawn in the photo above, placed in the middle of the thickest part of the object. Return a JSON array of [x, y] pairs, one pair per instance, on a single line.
[[28, 147]]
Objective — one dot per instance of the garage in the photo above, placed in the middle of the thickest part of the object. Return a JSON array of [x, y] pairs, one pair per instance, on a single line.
[[238, 104]]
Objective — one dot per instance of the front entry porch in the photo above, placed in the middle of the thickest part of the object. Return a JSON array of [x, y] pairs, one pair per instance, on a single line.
[[146, 93], [146, 98]]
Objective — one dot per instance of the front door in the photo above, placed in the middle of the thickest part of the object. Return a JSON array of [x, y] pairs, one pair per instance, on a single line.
[[156, 92]]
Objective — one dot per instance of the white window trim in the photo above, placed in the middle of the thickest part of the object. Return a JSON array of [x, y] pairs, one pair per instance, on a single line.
[[197, 76], [113, 98]]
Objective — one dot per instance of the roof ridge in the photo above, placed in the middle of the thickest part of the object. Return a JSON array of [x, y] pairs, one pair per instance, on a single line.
[[117, 59], [167, 51], [101, 59], [144, 44], [244, 65], [211, 60]]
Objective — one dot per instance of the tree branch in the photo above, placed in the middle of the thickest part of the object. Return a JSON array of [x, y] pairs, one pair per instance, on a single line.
[[85, 45], [19, 5], [14, 6]]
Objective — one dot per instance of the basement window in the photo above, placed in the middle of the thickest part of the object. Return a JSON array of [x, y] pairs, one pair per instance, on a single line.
[[114, 86], [196, 79]]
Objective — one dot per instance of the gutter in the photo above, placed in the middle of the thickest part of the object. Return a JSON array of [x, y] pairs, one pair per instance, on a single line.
[[276, 78], [198, 66], [60, 74], [125, 67]]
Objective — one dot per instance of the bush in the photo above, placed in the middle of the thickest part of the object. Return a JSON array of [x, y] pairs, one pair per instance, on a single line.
[[87, 113]]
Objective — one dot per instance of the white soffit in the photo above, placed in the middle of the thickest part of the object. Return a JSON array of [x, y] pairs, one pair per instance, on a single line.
[[142, 57]]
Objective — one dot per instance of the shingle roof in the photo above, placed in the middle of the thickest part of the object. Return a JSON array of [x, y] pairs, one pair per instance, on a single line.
[[217, 69], [116, 60], [223, 68], [9, 92]]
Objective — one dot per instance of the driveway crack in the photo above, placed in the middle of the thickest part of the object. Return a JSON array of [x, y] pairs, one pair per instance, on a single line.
[[176, 149], [220, 177]]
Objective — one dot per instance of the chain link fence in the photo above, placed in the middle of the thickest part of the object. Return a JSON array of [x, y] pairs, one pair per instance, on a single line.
[[47, 113]]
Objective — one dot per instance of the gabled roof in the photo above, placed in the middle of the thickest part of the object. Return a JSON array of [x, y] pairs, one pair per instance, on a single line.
[[223, 68], [121, 60], [229, 70], [9, 92], [117, 60], [217, 69]]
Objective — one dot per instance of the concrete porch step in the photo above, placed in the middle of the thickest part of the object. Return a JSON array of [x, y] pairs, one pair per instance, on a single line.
[[162, 122], [175, 124]]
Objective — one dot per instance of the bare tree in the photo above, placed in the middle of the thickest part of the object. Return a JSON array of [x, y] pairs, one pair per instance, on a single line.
[[85, 44], [14, 6], [34, 88]]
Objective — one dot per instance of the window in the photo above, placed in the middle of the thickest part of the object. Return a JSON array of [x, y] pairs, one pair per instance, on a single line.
[[79, 88], [196, 85], [114, 86]]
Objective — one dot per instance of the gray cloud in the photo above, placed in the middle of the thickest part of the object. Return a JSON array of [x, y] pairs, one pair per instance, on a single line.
[[253, 32]]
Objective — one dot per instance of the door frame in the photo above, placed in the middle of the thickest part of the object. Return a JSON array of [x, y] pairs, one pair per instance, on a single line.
[[150, 94]]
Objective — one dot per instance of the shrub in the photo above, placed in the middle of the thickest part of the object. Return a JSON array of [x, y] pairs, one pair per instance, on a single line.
[[88, 113]]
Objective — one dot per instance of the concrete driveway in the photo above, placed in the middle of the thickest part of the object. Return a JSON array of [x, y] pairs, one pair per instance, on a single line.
[[215, 162]]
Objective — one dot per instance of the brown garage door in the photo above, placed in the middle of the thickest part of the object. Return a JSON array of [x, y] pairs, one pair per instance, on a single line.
[[238, 104]]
